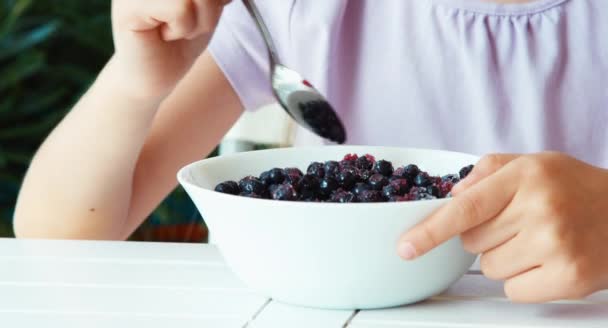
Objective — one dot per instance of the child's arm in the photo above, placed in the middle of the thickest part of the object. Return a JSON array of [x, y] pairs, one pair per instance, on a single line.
[[114, 157]]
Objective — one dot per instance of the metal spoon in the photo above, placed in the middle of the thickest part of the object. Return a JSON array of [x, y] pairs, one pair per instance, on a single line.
[[296, 95]]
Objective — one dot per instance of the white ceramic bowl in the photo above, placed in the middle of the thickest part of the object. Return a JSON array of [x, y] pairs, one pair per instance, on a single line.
[[325, 255]]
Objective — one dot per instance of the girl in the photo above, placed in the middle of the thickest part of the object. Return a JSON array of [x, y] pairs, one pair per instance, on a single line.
[[494, 76]]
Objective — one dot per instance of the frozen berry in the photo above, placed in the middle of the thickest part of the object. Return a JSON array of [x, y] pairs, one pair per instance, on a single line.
[[390, 190], [419, 193], [364, 163], [445, 188], [436, 180], [364, 175], [284, 192], [453, 178], [265, 178], [360, 187], [331, 168], [395, 188], [350, 157], [412, 170], [403, 184], [309, 182], [422, 179], [327, 186], [252, 185], [347, 177], [347, 163], [370, 158], [384, 167], [228, 187], [433, 190], [317, 169], [370, 196], [292, 173], [342, 196], [400, 173], [465, 171], [276, 176], [377, 181]]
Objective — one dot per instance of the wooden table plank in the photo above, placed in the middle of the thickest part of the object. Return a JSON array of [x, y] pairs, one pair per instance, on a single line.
[[166, 274], [101, 251], [95, 320], [278, 315], [135, 301], [492, 314]]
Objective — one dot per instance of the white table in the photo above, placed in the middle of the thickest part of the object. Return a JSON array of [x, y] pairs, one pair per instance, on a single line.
[[56, 284]]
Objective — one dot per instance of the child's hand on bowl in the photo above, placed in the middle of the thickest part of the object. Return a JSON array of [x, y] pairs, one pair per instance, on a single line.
[[538, 221]]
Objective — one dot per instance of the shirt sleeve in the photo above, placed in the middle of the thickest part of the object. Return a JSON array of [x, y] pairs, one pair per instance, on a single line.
[[238, 49]]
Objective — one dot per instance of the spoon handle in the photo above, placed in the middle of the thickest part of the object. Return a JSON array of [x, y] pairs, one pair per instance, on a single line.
[[259, 21]]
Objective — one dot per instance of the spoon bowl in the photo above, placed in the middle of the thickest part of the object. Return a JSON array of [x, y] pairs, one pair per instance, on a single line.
[[296, 95]]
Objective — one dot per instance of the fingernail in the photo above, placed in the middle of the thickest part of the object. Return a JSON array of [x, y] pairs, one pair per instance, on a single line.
[[407, 251]]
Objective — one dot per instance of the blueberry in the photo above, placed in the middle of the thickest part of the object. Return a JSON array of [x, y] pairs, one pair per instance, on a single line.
[[360, 187], [276, 176], [317, 169], [293, 176], [309, 182], [370, 196], [347, 177], [347, 163], [292, 173], [422, 179], [465, 171], [342, 196], [390, 190], [364, 163], [331, 168], [453, 178], [265, 178], [384, 167], [284, 192], [228, 187], [412, 170], [364, 175], [433, 190], [327, 186], [377, 181], [252, 185]]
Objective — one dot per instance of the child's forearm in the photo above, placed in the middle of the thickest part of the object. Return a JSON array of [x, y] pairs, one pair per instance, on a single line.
[[79, 182]]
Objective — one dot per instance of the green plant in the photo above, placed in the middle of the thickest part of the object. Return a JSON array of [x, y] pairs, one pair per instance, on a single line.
[[50, 52]]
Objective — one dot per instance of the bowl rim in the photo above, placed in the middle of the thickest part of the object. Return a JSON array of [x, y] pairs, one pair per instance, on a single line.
[[184, 181]]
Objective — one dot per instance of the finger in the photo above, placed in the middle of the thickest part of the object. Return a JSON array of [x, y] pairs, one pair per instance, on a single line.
[[485, 167], [476, 205], [510, 259], [538, 285], [494, 232], [176, 19]]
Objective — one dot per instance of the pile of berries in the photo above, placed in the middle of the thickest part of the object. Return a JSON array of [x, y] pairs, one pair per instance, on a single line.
[[361, 179]]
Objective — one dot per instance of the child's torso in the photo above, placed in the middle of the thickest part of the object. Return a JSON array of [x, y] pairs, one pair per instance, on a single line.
[[464, 75]]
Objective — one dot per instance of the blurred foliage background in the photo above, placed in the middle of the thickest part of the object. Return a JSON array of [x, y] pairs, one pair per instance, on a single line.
[[50, 52]]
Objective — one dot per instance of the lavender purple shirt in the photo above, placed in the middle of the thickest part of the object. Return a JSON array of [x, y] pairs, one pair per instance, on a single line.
[[462, 75]]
